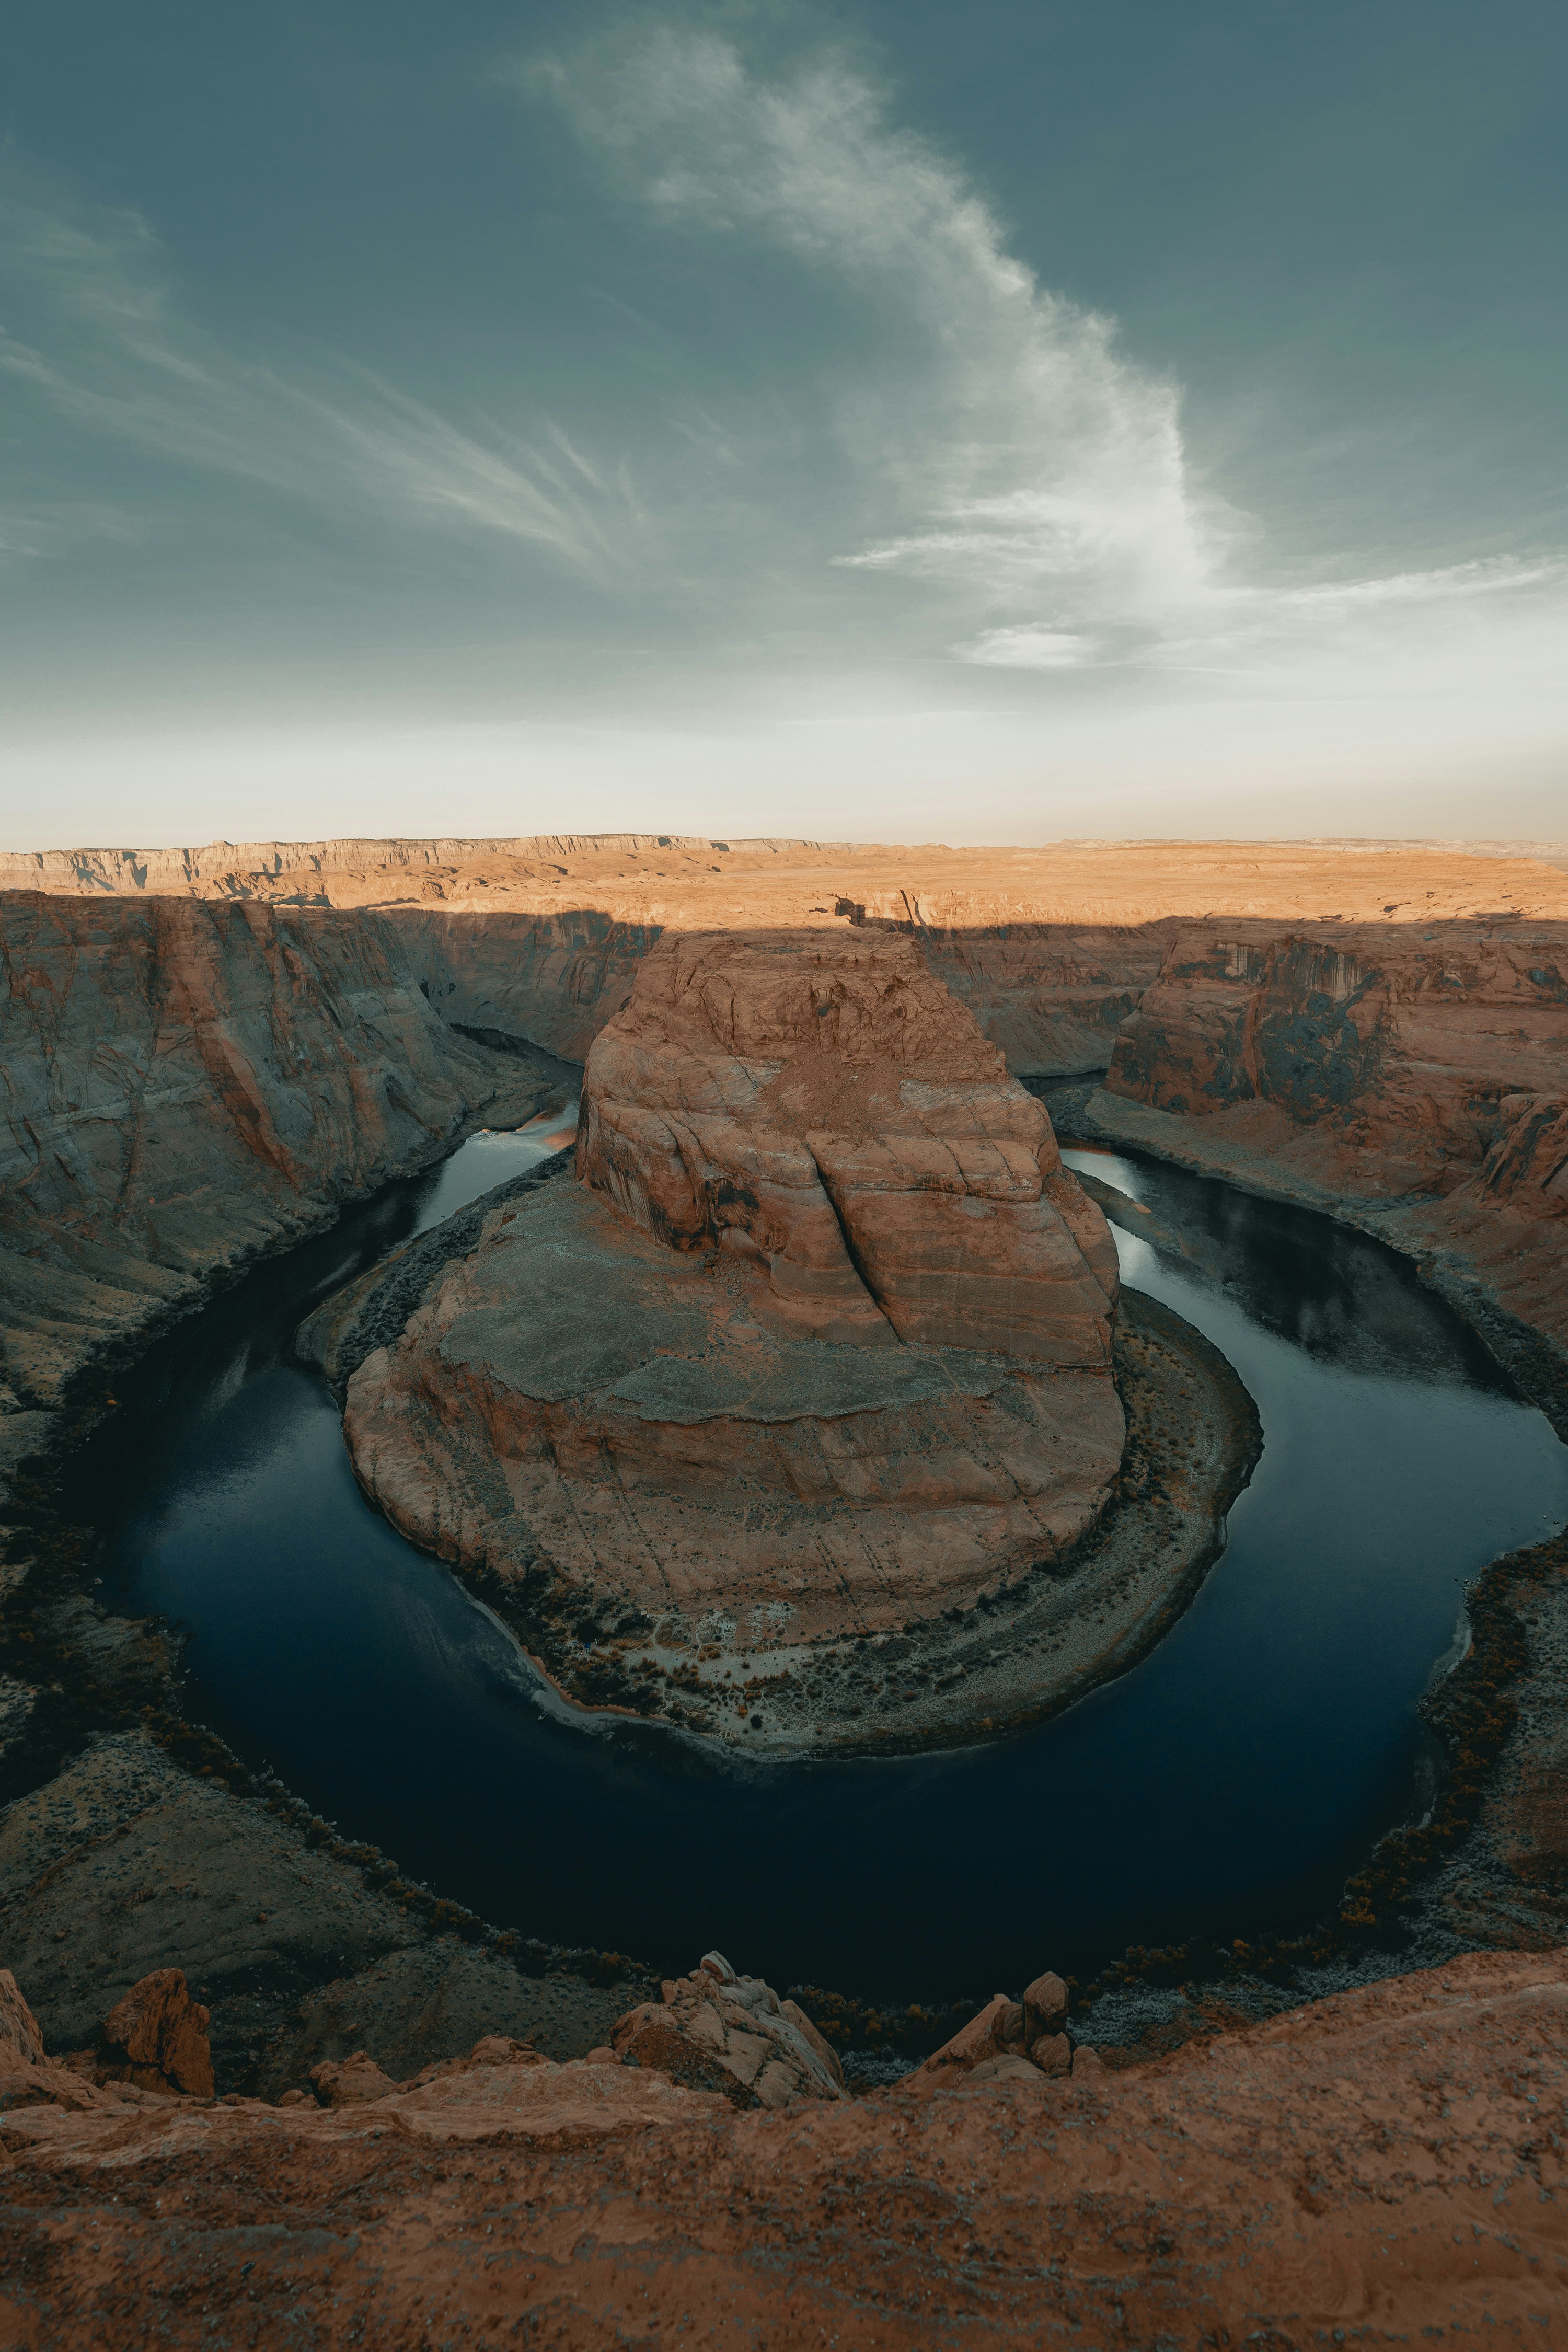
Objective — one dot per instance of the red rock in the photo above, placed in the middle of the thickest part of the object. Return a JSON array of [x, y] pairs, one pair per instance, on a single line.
[[1236, 2190], [1052, 2054], [973, 2043], [718, 2030], [826, 1110], [1047, 2002], [627, 1390], [157, 2038], [21, 2040], [349, 2082]]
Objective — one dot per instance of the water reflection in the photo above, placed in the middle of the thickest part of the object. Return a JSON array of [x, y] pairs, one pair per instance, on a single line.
[[1224, 1786]]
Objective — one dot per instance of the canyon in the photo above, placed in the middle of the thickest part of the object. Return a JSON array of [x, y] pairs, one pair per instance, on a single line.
[[817, 1349], [207, 1053]]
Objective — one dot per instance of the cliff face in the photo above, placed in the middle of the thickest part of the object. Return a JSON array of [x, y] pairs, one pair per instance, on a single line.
[[1403, 1045], [185, 1083], [1419, 1072], [1049, 949], [825, 1108]]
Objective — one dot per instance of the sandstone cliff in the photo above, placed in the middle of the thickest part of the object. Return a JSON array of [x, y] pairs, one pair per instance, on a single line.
[[826, 1110], [819, 1344], [1419, 1069], [185, 1084], [1049, 947]]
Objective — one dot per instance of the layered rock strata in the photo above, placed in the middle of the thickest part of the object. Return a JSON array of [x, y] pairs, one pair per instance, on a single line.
[[1418, 1074], [1387, 2165], [184, 1085], [819, 1346], [827, 1112]]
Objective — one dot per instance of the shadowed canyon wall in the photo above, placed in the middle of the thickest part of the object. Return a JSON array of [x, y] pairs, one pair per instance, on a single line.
[[185, 1083], [1382, 1020]]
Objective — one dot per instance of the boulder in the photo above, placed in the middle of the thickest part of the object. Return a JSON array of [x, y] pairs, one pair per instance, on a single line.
[[715, 2029], [157, 2038], [1045, 2005], [1052, 2054], [349, 2082], [1004, 2037]]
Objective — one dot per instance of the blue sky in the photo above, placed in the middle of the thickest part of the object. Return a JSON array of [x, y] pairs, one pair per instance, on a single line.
[[873, 420]]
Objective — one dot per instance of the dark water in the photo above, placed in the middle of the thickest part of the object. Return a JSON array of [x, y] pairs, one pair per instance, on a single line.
[[1224, 1786]]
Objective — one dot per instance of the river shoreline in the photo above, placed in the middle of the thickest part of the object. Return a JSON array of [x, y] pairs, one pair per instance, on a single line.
[[123, 1678]]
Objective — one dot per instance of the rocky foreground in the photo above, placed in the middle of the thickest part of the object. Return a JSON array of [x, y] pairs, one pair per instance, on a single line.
[[1387, 2167]]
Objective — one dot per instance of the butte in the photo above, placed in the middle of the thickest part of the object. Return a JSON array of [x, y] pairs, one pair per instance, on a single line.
[[811, 1362]]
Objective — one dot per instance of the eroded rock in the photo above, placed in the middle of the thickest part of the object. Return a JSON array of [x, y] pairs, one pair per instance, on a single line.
[[157, 2038], [717, 2030]]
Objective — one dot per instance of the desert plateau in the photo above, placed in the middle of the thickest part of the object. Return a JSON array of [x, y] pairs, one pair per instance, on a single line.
[[775, 1309]]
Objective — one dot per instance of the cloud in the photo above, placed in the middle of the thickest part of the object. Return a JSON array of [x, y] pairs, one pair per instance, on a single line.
[[1023, 462], [1026, 449], [110, 353]]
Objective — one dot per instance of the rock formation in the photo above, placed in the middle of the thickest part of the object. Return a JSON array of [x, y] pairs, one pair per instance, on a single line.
[[1012, 2038], [715, 2029], [153, 2042], [1419, 1069], [827, 1111], [157, 2038], [1388, 2165], [819, 1344], [185, 1084]]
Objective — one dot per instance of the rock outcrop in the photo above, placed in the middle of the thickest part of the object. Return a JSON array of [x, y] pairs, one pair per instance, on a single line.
[[717, 2029], [1417, 1069], [818, 1345], [185, 1084], [824, 1109], [1012, 2040], [157, 2037], [1387, 2165]]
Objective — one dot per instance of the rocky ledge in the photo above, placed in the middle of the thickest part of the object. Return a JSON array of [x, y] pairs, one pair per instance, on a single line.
[[1385, 2167], [814, 1370]]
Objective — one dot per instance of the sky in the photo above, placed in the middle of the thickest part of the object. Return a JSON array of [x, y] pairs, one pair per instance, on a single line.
[[868, 420]]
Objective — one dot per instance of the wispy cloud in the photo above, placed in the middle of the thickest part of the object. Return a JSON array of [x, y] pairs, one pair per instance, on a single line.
[[1023, 460], [109, 351], [1027, 449]]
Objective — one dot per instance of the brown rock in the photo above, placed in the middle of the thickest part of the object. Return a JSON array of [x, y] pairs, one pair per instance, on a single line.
[[1047, 2002], [1052, 2054], [21, 2041], [1087, 2065], [1011, 2066], [830, 1113], [349, 2082], [187, 1084], [974, 2044], [1387, 2163], [157, 2038], [715, 2029], [615, 1390]]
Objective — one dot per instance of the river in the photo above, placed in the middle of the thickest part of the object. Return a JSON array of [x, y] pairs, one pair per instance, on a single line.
[[1224, 1786]]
